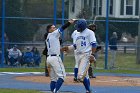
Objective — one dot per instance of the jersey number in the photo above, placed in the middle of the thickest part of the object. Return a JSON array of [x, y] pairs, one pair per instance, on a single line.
[[48, 42], [83, 43]]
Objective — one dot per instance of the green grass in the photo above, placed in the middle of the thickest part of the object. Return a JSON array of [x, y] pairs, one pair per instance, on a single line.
[[125, 62], [18, 91], [117, 71], [21, 69]]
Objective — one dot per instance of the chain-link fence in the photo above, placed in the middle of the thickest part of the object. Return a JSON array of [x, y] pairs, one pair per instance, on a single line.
[[26, 21]]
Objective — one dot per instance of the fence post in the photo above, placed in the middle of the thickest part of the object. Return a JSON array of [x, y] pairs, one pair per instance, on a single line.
[[3, 31], [125, 49], [63, 16], [55, 10], [106, 44], [138, 43]]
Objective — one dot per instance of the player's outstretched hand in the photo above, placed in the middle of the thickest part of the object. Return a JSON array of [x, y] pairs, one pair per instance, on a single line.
[[72, 21], [64, 49]]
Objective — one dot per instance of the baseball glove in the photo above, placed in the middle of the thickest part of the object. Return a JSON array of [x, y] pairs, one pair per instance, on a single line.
[[65, 49], [92, 58]]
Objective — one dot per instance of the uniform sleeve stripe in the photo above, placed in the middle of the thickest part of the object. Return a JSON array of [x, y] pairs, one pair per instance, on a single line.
[[74, 46], [94, 45], [60, 30]]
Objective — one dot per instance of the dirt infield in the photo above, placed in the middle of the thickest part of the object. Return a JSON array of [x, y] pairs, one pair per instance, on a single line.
[[98, 81]]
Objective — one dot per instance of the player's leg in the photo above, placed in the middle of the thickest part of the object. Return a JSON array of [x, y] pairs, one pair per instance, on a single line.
[[86, 83], [76, 67], [75, 73], [90, 71], [83, 72], [52, 74], [53, 79], [58, 84], [83, 66], [46, 68], [60, 72], [11, 61]]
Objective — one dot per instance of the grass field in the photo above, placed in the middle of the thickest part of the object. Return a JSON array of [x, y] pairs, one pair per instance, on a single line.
[[126, 63], [123, 61]]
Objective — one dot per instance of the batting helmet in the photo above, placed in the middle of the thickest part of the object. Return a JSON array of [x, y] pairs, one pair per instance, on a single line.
[[81, 25]]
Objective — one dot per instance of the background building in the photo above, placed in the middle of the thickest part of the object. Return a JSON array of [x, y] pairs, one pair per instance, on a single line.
[[117, 8]]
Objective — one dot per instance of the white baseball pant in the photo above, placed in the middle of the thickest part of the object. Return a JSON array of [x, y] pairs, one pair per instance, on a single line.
[[56, 68]]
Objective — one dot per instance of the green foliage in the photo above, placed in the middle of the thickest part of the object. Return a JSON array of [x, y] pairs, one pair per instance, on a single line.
[[41, 8], [17, 30], [85, 13], [119, 27], [13, 9], [38, 8]]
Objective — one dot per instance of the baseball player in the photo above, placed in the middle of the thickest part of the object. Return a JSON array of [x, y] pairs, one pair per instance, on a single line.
[[54, 62], [85, 45], [45, 52]]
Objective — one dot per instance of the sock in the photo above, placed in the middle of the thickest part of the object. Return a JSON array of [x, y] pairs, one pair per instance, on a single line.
[[86, 83], [75, 72], [52, 85], [59, 84]]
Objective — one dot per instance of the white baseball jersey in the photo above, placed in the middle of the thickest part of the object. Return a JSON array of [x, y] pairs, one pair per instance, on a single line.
[[73, 36], [84, 40], [53, 43], [14, 53]]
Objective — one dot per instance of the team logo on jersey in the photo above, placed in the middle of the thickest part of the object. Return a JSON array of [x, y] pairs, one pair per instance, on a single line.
[[81, 37]]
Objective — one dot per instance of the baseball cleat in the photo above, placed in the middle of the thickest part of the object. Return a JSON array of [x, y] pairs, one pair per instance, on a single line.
[[80, 80], [88, 92], [75, 80], [92, 76]]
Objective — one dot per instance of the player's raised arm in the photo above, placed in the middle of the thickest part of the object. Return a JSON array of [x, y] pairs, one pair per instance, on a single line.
[[71, 21]]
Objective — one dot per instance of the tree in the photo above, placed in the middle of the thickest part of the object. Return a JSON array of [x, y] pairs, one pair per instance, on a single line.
[[85, 13], [17, 29]]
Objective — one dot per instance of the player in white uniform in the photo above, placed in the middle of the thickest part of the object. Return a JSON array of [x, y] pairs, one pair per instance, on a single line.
[[14, 55], [57, 71], [85, 45]]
